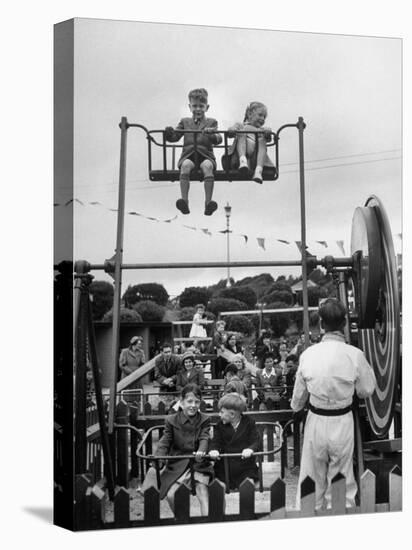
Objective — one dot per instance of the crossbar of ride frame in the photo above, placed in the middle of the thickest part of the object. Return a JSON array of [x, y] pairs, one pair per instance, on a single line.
[[118, 257]]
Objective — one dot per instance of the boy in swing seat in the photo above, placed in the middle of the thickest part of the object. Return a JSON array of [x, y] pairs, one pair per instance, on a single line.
[[197, 150], [235, 433]]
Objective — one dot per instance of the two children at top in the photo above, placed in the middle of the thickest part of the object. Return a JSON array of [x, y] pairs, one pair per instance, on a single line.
[[198, 147]]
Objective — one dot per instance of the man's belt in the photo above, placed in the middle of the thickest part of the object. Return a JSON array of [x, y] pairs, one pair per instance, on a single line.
[[330, 412]]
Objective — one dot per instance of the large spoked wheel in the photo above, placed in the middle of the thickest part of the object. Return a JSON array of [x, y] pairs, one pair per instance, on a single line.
[[375, 285]]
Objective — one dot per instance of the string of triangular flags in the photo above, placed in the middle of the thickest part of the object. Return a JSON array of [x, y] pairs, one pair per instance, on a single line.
[[261, 241]]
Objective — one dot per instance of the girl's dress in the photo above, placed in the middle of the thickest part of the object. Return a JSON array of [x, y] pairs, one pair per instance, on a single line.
[[231, 160], [183, 436], [197, 330]]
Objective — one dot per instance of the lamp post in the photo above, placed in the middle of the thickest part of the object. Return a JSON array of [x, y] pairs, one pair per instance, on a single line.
[[228, 210]]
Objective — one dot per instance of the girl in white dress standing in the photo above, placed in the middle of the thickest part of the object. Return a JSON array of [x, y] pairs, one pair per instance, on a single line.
[[198, 330]]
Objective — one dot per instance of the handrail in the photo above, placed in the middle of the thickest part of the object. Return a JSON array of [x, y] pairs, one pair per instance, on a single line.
[[228, 133], [221, 455], [224, 456]]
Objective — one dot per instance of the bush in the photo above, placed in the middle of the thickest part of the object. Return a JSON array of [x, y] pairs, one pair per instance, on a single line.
[[126, 316], [284, 296], [244, 294], [279, 322], [102, 292], [240, 323], [218, 305], [145, 292], [193, 295], [149, 311]]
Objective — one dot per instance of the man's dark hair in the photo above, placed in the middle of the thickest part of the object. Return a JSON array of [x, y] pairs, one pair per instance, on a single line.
[[191, 388], [232, 368], [333, 314], [165, 345]]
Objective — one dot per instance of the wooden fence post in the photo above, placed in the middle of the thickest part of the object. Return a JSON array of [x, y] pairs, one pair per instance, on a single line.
[[122, 445], [182, 504], [338, 490], [97, 508], [278, 499], [82, 483], [307, 497], [367, 492], [247, 499], [151, 506], [395, 489], [216, 501], [122, 508]]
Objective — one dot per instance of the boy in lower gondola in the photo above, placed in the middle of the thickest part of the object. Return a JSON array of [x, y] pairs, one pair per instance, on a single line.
[[235, 433]]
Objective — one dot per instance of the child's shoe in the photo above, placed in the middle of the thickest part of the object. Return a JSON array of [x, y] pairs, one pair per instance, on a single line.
[[210, 207], [257, 176], [243, 167], [183, 206]]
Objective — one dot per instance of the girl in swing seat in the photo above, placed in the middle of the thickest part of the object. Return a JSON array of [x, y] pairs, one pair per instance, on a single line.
[[249, 151]]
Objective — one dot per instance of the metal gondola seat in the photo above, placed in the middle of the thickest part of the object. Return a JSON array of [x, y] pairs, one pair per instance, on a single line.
[[166, 169]]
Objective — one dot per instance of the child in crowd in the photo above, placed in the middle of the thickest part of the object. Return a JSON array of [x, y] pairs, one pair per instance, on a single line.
[[248, 151], [198, 330], [244, 373], [217, 347], [233, 382], [235, 433], [186, 432], [267, 381], [197, 149], [191, 373]]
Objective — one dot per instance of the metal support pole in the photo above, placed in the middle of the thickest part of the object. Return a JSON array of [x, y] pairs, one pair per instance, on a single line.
[[301, 126], [228, 250], [118, 270]]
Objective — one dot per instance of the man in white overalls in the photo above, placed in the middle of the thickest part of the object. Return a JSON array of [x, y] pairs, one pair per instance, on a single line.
[[329, 373]]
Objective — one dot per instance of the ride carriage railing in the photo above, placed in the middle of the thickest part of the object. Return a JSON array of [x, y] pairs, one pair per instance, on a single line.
[[273, 437], [156, 139]]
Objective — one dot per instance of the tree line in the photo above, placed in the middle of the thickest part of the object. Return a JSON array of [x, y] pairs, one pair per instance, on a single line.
[[151, 301]]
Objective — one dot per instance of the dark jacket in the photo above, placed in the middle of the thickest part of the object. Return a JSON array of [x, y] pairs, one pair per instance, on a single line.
[[227, 440], [204, 142], [193, 376], [183, 436], [167, 369], [268, 382]]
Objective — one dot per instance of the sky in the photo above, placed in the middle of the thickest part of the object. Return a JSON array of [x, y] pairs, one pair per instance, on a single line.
[[347, 89]]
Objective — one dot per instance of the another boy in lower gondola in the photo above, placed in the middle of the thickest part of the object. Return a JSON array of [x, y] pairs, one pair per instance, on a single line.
[[235, 433]]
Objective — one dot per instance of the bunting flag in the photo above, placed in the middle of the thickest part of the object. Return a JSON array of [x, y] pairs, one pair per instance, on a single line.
[[261, 242], [74, 200], [341, 248]]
